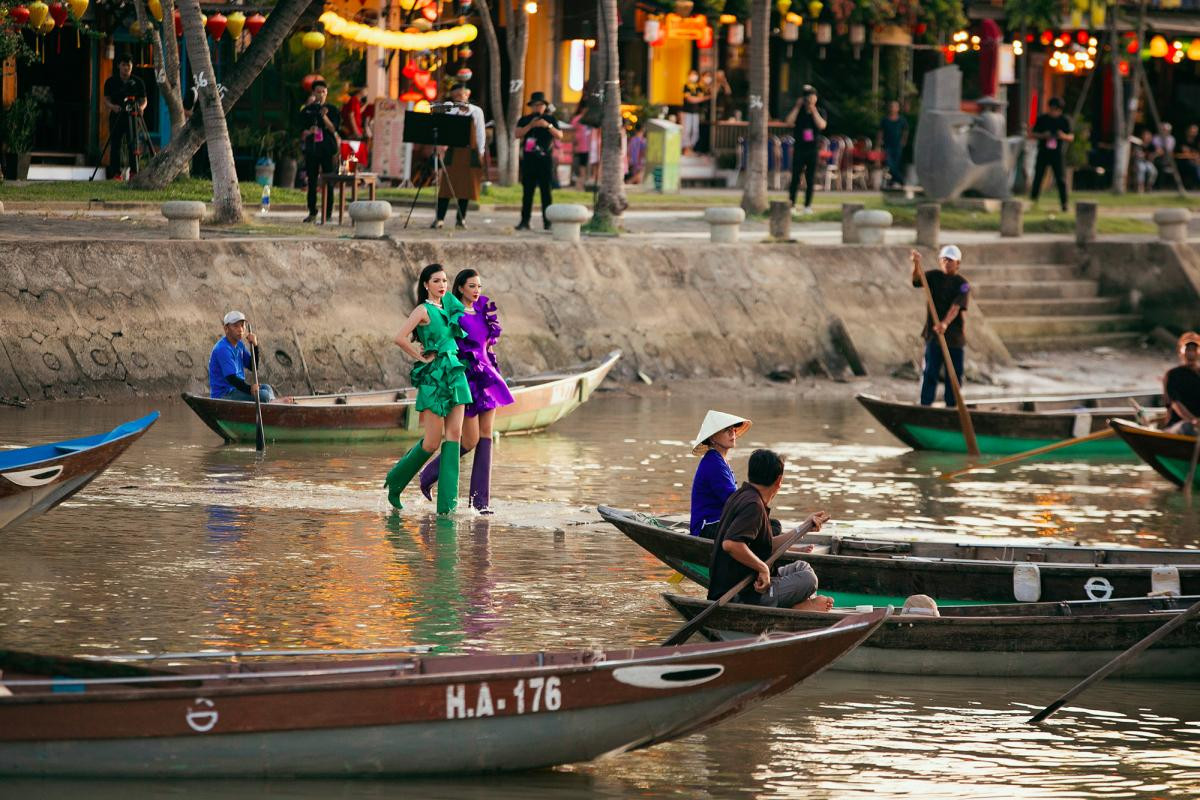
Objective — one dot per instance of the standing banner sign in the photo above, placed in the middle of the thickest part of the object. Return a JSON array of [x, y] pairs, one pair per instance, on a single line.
[[391, 157]]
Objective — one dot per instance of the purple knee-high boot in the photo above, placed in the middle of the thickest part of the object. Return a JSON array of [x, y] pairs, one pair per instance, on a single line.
[[481, 477], [429, 475]]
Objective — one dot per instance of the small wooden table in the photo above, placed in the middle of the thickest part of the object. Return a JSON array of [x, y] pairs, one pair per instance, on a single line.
[[354, 180]]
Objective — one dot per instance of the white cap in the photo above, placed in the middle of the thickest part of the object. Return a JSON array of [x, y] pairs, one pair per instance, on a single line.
[[715, 422], [234, 316], [951, 252]]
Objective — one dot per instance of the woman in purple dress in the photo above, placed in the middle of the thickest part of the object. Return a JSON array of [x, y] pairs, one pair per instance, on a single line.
[[488, 388]]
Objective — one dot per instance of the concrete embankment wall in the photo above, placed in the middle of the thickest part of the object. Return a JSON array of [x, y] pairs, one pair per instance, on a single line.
[[110, 318], [1159, 280]]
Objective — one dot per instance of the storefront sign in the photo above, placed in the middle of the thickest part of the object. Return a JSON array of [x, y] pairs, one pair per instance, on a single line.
[[693, 27]]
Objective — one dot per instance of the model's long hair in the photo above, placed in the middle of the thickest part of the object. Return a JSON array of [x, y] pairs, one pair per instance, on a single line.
[[426, 274], [460, 280]]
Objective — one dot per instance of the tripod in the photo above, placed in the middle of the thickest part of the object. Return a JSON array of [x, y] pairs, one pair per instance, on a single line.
[[135, 124], [431, 129]]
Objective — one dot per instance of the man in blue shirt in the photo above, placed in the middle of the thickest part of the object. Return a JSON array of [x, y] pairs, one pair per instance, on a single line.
[[228, 362]]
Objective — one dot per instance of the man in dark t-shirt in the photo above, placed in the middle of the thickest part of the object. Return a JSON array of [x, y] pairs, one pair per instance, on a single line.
[[319, 125], [950, 295], [1053, 133], [808, 121], [124, 98], [744, 542], [893, 135], [537, 132], [1181, 388]]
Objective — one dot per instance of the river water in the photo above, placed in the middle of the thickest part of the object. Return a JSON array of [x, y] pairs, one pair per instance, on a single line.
[[186, 543]]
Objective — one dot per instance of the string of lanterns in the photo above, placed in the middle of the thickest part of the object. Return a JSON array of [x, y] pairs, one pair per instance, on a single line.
[[416, 41]]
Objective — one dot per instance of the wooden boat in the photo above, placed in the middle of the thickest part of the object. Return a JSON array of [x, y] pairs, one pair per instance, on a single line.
[[34, 480], [1012, 640], [1010, 425], [539, 401], [865, 570], [400, 716], [1169, 454]]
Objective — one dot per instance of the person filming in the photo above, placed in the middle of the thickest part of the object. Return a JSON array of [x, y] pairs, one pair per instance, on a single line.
[[124, 99], [319, 139]]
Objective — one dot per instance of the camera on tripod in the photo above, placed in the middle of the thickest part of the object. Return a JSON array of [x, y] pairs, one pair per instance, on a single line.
[[132, 106]]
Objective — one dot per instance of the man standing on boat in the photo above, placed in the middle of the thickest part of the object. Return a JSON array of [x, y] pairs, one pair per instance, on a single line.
[[1181, 388], [228, 361], [744, 542], [950, 294]]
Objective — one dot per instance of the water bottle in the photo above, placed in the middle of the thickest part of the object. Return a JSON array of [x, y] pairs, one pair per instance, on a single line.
[[266, 198]]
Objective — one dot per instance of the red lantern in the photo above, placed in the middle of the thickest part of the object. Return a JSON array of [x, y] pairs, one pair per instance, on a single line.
[[1047, 37], [430, 12], [706, 39], [178, 25], [1132, 47], [58, 12], [430, 91], [1082, 37], [254, 23], [19, 15], [216, 26], [411, 97], [410, 69], [307, 83], [920, 28], [1029, 38], [420, 79]]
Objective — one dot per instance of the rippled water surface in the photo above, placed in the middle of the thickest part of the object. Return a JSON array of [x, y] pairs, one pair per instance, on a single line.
[[187, 543]]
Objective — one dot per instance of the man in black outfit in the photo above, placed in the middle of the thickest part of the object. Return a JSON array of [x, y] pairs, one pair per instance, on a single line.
[[951, 293], [536, 132], [319, 140], [809, 122], [1181, 388], [124, 98], [1053, 132]]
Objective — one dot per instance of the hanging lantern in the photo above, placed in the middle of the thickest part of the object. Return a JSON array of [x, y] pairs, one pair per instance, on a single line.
[[430, 12], [1193, 51], [254, 23], [783, 6], [78, 9], [463, 75], [216, 26], [411, 97], [420, 78], [430, 91], [37, 14], [789, 31], [155, 7], [650, 31], [1158, 45], [1076, 18], [736, 34], [58, 13], [408, 5], [705, 41], [234, 24], [464, 53], [19, 15], [1099, 13], [410, 69], [727, 19], [313, 40], [422, 107], [46, 26], [814, 8], [858, 35], [824, 33]]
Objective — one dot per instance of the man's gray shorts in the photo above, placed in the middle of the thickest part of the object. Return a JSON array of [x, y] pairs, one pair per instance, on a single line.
[[794, 583]]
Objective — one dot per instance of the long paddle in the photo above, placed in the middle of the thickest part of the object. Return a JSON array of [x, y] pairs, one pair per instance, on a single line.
[[964, 416], [1037, 451], [1116, 663], [1191, 475], [260, 437], [691, 626]]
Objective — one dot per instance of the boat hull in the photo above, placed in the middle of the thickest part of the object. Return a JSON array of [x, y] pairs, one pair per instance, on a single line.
[[1168, 454], [1003, 428], [391, 415]]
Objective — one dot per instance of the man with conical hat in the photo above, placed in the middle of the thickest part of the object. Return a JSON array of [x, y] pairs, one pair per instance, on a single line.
[[714, 480]]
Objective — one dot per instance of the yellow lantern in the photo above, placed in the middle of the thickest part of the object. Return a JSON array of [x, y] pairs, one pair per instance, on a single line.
[[313, 40], [1099, 13], [422, 107], [46, 26], [155, 7], [408, 5], [78, 8], [1158, 45], [783, 6], [1193, 51], [37, 14], [814, 8], [234, 23], [727, 19]]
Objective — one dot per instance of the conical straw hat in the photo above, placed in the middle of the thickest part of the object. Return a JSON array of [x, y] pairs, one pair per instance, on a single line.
[[715, 422]]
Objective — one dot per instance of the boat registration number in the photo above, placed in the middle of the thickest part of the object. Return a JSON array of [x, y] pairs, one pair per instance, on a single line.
[[528, 696]]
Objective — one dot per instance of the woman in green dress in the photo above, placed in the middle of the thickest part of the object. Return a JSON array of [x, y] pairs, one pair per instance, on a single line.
[[441, 383]]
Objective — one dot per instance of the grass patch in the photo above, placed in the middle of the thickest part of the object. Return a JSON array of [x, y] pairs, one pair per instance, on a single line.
[[118, 192]]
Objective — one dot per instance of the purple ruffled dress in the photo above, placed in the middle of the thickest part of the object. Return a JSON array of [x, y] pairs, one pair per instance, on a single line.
[[487, 386]]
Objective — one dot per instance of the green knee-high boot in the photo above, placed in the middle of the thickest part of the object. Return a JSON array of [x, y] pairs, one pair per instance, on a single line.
[[399, 475], [447, 499]]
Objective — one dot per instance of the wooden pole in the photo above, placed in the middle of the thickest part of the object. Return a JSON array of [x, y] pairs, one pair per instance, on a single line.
[[260, 439], [1104, 434], [964, 416], [1116, 663], [1191, 474]]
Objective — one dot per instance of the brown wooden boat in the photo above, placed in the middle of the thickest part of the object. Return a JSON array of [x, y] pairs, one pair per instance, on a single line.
[[1010, 425], [408, 716], [34, 480], [1169, 454], [1009, 640], [538, 401], [868, 570]]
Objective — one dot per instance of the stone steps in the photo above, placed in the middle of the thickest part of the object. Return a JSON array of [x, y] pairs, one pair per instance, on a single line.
[[1023, 273], [1029, 327], [1034, 290], [1078, 341], [1050, 307]]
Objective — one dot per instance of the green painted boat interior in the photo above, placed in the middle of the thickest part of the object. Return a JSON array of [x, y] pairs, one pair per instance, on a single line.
[[952, 442], [244, 432], [1179, 468]]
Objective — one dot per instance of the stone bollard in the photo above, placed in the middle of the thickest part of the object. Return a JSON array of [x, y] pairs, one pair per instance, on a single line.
[[565, 220], [849, 232], [724, 223], [1172, 224], [929, 224], [183, 218], [1086, 215], [871, 225], [1012, 218], [781, 220], [369, 218], [1, 208]]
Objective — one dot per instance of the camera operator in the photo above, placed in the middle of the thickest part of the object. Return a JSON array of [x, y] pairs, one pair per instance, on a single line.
[[319, 122], [124, 98]]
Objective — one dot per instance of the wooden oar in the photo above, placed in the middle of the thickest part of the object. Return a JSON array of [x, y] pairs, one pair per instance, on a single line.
[[964, 416], [691, 626], [1116, 663], [1191, 473], [1037, 451], [260, 437]]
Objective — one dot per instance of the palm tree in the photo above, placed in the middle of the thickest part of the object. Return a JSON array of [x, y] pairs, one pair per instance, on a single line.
[[503, 134], [177, 155], [610, 201], [518, 47], [754, 197], [166, 61], [227, 197]]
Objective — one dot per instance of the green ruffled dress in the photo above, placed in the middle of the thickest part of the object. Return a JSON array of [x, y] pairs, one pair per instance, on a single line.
[[442, 383]]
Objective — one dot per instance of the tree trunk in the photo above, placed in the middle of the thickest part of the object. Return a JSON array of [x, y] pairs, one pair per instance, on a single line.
[[754, 197], [503, 133], [518, 46], [166, 61], [175, 157], [227, 197], [611, 202]]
